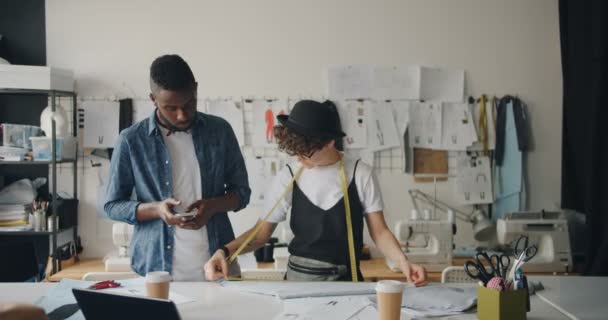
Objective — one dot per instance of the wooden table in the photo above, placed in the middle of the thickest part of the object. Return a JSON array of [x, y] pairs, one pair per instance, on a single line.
[[372, 270], [78, 269]]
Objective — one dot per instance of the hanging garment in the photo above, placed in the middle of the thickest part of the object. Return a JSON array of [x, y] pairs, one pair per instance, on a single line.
[[509, 174]]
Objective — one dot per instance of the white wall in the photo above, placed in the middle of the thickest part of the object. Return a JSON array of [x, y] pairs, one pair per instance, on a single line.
[[280, 48]]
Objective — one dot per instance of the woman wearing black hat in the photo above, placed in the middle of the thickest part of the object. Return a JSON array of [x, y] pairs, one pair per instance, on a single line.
[[318, 206]]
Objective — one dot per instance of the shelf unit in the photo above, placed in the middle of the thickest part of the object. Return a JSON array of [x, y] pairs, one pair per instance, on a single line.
[[53, 96]]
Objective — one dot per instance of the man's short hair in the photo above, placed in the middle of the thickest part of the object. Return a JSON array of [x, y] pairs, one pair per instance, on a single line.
[[171, 72]]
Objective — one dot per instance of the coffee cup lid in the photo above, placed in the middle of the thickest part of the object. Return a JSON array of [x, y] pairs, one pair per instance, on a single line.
[[390, 286], [158, 276]]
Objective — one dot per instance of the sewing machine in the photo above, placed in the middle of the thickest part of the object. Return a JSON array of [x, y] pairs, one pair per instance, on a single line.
[[121, 237], [547, 230], [428, 242]]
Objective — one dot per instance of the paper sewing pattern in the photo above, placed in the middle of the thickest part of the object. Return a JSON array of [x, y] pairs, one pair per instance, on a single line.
[[264, 114], [401, 112], [382, 131], [458, 130], [261, 171], [425, 125], [399, 82], [353, 117], [101, 123], [473, 180], [231, 112], [349, 82], [442, 84]]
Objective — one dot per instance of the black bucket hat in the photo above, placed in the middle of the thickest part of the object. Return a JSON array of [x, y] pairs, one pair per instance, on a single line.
[[313, 119]]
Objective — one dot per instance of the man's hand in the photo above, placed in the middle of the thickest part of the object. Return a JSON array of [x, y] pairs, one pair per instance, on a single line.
[[217, 266], [204, 212], [415, 274], [165, 212]]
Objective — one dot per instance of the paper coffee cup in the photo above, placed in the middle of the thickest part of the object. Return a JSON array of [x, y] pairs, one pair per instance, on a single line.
[[157, 284], [389, 294]]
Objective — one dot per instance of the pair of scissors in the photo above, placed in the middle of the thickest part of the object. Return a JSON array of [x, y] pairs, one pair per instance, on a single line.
[[477, 270], [523, 253], [501, 264], [104, 285]]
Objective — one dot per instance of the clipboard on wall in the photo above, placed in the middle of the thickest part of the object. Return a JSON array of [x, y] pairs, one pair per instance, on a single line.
[[430, 162]]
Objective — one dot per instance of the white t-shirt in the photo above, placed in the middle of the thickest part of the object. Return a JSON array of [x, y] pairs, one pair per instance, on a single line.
[[190, 247], [323, 187]]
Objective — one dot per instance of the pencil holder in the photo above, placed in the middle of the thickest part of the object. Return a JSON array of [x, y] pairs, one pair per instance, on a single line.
[[501, 305]]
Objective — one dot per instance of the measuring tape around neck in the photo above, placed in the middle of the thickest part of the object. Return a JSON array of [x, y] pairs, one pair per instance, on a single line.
[[349, 225]]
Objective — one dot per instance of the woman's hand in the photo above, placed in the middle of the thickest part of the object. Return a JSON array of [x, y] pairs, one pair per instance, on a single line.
[[217, 266], [415, 273]]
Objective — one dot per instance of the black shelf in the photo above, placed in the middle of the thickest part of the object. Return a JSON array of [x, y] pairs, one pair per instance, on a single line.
[[53, 95]]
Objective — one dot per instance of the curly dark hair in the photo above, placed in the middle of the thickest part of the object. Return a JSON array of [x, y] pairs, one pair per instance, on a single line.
[[171, 72], [295, 144]]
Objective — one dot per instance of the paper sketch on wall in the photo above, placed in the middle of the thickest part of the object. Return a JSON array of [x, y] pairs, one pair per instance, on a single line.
[[261, 171], [425, 125], [399, 82], [101, 123], [382, 132], [442, 84], [349, 82], [264, 113], [353, 117], [458, 130], [230, 111], [473, 180]]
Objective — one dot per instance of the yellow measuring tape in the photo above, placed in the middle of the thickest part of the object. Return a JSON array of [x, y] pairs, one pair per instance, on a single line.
[[349, 224]]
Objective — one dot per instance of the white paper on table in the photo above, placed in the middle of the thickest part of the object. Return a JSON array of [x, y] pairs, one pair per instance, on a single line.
[[458, 130], [382, 132], [368, 313], [399, 82], [286, 290], [141, 292], [331, 308], [353, 117], [475, 110], [231, 112], [264, 118], [442, 84], [101, 123], [349, 82], [143, 109], [473, 181], [261, 171], [425, 125]]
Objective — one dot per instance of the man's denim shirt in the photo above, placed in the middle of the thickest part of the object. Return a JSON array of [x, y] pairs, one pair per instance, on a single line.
[[141, 163]]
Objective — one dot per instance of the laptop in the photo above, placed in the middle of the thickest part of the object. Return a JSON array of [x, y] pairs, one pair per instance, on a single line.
[[98, 305]]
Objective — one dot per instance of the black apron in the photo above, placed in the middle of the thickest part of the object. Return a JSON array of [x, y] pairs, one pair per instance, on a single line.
[[321, 234]]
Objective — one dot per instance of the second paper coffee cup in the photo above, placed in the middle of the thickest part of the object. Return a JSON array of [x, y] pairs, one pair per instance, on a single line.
[[389, 294]]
